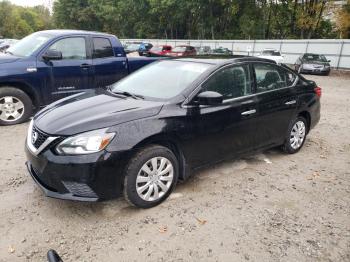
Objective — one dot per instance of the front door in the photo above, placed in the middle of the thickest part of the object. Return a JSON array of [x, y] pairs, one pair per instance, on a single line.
[[226, 130], [72, 74]]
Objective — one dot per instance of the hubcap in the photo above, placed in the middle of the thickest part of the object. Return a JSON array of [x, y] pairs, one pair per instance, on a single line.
[[297, 135], [11, 108], [154, 178]]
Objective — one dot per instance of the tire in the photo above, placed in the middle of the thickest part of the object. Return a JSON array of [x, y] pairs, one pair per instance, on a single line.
[[137, 177], [290, 145], [15, 106]]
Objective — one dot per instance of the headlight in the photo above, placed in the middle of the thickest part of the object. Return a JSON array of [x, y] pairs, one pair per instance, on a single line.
[[85, 143]]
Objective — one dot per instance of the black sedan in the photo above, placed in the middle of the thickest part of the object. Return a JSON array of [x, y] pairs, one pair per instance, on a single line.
[[313, 64], [154, 127]]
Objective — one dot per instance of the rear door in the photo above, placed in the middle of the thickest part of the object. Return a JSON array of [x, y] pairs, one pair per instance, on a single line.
[[227, 129], [277, 100], [108, 66], [71, 74]]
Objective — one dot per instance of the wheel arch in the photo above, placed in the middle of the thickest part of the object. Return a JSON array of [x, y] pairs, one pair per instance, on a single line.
[[170, 142], [307, 116], [29, 90]]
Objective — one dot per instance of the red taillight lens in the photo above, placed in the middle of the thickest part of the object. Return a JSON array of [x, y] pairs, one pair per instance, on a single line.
[[318, 91]]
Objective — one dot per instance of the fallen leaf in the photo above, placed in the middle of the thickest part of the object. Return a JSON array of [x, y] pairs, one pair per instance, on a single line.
[[163, 229], [201, 221], [11, 249]]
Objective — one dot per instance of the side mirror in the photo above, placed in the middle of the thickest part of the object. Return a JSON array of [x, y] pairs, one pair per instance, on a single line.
[[52, 55], [209, 98], [52, 256]]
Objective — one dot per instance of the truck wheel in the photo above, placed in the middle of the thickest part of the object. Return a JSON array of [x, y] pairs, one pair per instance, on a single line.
[[15, 106]]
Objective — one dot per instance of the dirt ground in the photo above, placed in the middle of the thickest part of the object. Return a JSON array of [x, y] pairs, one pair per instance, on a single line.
[[268, 207]]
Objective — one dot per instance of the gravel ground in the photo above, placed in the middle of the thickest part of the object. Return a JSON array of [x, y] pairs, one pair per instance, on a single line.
[[268, 207]]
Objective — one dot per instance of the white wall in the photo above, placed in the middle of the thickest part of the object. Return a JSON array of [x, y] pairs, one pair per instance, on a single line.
[[336, 50]]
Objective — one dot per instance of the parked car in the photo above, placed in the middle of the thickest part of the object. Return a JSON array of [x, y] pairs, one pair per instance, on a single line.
[[221, 51], [313, 63], [183, 50], [6, 43], [160, 50], [48, 65], [132, 47], [139, 47], [203, 50], [155, 126], [272, 54]]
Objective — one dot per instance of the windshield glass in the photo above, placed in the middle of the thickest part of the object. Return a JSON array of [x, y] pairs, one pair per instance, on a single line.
[[179, 49], [161, 80], [28, 45], [271, 53], [314, 57]]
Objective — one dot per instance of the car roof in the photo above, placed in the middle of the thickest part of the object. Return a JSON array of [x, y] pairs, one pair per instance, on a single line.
[[222, 60], [59, 32]]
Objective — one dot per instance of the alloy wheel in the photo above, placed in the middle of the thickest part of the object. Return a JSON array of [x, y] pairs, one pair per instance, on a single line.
[[297, 135], [154, 178], [11, 108]]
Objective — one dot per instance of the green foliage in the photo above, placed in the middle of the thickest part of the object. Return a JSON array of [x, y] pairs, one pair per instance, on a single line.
[[180, 19], [17, 22]]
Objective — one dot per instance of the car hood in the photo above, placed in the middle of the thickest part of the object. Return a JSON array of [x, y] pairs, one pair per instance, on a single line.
[[7, 58], [92, 110]]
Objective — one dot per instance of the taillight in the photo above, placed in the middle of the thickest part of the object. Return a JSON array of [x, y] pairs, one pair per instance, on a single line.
[[318, 91]]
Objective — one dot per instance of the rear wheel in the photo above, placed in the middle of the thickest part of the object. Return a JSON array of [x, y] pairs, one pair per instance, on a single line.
[[296, 135], [15, 106], [151, 176]]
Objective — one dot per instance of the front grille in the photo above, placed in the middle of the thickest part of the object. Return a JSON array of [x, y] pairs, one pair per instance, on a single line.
[[79, 189], [41, 137]]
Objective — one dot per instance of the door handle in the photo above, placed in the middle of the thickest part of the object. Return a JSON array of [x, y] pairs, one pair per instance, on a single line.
[[249, 112], [290, 102], [85, 66]]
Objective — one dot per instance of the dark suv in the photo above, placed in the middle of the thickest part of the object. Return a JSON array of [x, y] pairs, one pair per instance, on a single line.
[[154, 127]]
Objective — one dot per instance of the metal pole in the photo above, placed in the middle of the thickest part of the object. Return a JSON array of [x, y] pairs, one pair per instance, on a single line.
[[307, 46], [340, 54], [281, 46], [253, 50]]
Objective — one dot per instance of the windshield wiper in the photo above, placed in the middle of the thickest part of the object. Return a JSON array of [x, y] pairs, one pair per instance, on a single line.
[[8, 52], [125, 93]]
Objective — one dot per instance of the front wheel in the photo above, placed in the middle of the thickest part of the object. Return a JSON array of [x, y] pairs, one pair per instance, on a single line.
[[15, 106], [151, 176], [296, 135]]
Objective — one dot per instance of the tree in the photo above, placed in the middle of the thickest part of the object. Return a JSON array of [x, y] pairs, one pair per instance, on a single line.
[[343, 21]]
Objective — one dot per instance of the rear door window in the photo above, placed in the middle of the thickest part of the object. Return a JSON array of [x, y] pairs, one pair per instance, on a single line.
[[102, 47], [271, 77]]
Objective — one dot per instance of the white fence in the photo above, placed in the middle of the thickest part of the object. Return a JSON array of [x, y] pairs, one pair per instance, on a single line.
[[336, 50]]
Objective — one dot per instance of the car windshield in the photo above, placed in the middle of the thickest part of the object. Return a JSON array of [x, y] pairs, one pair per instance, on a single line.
[[28, 45], [161, 80], [315, 57], [179, 49], [271, 53]]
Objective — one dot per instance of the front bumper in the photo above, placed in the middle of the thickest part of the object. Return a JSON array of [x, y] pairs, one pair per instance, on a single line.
[[319, 71], [92, 177]]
